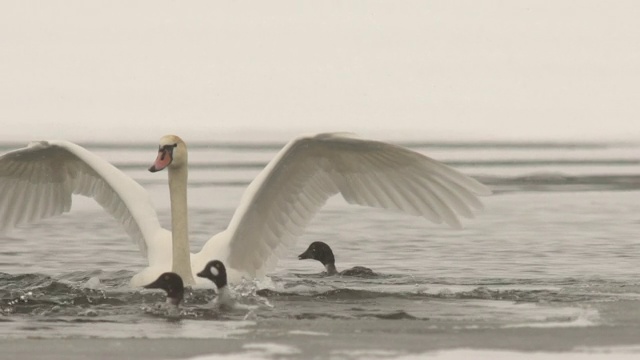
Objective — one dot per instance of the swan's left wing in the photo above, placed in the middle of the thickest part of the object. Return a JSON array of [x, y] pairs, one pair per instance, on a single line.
[[284, 197], [36, 182]]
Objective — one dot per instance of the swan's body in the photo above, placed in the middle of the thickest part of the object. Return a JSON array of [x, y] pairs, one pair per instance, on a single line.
[[37, 182]]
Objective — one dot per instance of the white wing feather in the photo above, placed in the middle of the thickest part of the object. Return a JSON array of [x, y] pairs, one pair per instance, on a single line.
[[282, 200], [37, 182]]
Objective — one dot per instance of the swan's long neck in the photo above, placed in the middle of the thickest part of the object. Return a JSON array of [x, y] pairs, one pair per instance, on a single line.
[[179, 224]]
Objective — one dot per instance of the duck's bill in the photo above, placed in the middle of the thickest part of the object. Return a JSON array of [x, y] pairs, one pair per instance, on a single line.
[[202, 274], [303, 256], [153, 285]]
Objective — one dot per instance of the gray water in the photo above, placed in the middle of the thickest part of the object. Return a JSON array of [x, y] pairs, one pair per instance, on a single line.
[[556, 247]]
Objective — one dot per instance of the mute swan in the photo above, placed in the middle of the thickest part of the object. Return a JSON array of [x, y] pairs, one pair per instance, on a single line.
[[37, 182]]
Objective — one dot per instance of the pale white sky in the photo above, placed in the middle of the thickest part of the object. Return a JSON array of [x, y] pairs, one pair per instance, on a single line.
[[434, 69]]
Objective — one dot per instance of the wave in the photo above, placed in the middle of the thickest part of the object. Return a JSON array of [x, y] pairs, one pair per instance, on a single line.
[[467, 163], [479, 293], [50, 300], [556, 181], [392, 315], [499, 184], [277, 145]]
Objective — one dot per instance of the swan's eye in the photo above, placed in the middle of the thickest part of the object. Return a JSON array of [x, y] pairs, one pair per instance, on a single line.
[[166, 149]]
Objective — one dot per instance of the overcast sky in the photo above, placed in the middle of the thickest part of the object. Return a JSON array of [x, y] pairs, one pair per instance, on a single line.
[[433, 69]]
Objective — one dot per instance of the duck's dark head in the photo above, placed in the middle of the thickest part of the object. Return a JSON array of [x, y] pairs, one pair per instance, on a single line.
[[216, 272], [319, 251], [172, 284]]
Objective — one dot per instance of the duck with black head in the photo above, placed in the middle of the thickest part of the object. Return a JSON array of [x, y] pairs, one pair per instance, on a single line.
[[172, 284], [217, 273], [322, 252]]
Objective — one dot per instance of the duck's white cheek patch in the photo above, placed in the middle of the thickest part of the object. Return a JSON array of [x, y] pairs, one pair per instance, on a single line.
[[214, 271]]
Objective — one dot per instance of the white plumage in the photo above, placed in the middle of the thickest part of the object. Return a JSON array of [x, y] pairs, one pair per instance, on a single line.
[[37, 182]]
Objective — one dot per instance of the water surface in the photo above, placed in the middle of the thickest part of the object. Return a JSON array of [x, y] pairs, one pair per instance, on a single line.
[[556, 248]]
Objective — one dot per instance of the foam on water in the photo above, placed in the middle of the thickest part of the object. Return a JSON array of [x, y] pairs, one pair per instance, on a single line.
[[260, 351], [574, 317], [255, 351], [611, 353], [117, 328]]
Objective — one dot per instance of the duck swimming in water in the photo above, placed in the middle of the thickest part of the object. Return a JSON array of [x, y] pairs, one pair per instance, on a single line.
[[172, 284], [322, 252], [216, 272]]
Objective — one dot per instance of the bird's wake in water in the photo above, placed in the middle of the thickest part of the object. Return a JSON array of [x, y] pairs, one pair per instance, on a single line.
[[48, 299]]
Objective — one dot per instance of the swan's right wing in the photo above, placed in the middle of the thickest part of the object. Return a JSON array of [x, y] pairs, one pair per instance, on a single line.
[[285, 196], [37, 182]]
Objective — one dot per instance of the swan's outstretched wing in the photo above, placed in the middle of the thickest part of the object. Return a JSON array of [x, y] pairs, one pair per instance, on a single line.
[[37, 182], [280, 202]]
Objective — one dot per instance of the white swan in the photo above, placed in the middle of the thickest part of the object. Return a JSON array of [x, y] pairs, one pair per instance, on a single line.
[[37, 182]]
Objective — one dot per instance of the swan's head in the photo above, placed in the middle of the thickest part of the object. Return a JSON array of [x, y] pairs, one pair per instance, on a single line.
[[172, 152], [318, 251], [216, 272], [172, 284]]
